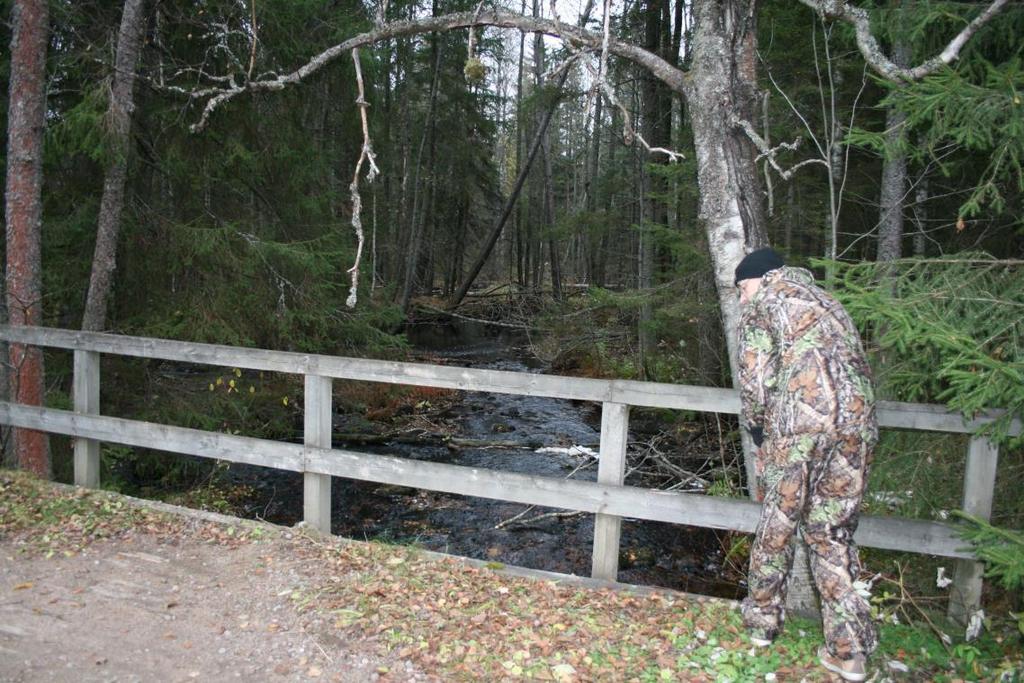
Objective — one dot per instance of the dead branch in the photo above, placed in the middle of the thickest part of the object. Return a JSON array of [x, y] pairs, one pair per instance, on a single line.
[[365, 154], [600, 76], [482, 321], [252, 50], [769, 153], [637, 458], [661, 69], [518, 519], [872, 51], [424, 437]]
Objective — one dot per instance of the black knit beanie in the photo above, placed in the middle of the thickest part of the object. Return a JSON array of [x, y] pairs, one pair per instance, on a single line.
[[757, 263]]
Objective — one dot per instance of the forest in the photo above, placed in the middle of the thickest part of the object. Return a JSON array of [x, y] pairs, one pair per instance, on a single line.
[[320, 175]]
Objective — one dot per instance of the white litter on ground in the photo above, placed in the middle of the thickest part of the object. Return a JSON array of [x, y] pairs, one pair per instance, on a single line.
[[572, 450]]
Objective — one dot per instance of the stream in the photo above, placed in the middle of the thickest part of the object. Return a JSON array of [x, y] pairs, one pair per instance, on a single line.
[[549, 434]]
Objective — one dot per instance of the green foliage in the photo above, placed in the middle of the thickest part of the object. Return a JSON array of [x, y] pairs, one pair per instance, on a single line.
[[230, 286], [947, 330], [81, 129], [226, 400], [1002, 550], [980, 112]]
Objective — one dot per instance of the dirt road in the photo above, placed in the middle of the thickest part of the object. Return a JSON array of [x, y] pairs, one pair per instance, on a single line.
[[178, 607]]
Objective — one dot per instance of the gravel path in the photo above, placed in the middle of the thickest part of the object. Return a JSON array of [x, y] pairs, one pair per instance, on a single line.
[[146, 608]]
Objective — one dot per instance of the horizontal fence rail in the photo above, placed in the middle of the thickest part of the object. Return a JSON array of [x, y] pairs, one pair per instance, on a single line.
[[608, 498], [642, 394]]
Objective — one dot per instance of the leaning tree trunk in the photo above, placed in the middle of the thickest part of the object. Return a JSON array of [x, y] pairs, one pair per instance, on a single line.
[[511, 201], [119, 117], [25, 123], [731, 201]]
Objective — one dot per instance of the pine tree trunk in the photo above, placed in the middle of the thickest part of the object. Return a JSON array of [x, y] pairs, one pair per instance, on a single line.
[[920, 216], [23, 279], [119, 117]]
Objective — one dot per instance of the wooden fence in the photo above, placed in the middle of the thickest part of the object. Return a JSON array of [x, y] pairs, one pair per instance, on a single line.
[[607, 498]]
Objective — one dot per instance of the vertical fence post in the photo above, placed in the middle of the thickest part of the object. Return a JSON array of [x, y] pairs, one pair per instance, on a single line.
[[316, 499], [611, 470], [86, 397], [979, 483]]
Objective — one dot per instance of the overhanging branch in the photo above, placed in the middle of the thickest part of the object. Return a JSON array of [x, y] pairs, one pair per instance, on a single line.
[[670, 75], [872, 51]]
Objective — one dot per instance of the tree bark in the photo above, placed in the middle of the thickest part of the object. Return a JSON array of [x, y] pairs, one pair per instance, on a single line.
[[728, 210], [23, 279], [595, 249], [894, 175], [920, 214], [119, 118], [520, 265]]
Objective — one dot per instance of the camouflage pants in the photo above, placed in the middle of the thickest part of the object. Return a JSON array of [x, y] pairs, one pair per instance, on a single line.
[[814, 481]]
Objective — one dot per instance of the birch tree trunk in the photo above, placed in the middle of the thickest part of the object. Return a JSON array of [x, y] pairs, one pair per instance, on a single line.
[[594, 246], [119, 118], [23, 279], [731, 200]]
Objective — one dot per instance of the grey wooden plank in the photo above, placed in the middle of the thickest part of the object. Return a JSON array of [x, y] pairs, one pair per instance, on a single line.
[[244, 449], [611, 469], [979, 483], [935, 418], [890, 533], [86, 399], [316, 497], [647, 394], [625, 501]]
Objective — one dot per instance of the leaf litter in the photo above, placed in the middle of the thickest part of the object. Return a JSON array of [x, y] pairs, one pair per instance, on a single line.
[[452, 619]]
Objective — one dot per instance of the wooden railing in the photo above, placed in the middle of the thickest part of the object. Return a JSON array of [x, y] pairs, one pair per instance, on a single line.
[[607, 498]]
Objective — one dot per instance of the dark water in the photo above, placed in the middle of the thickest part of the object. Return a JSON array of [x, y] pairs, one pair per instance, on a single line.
[[685, 558]]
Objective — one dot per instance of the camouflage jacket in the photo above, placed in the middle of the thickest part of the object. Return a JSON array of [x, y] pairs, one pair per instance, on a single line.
[[802, 367]]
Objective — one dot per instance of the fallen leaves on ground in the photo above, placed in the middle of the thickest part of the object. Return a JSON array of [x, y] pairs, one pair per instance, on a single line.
[[462, 622]]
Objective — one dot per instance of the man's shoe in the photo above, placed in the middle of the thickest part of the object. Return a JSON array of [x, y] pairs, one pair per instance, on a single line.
[[760, 642], [848, 669]]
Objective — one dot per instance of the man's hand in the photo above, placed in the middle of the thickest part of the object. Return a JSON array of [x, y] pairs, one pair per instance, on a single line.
[[757, 435]]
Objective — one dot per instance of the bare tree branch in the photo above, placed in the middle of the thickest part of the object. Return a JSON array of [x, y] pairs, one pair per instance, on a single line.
[[872, 51], [572, 35], [769, 153], [366, 154], [252, 50]]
